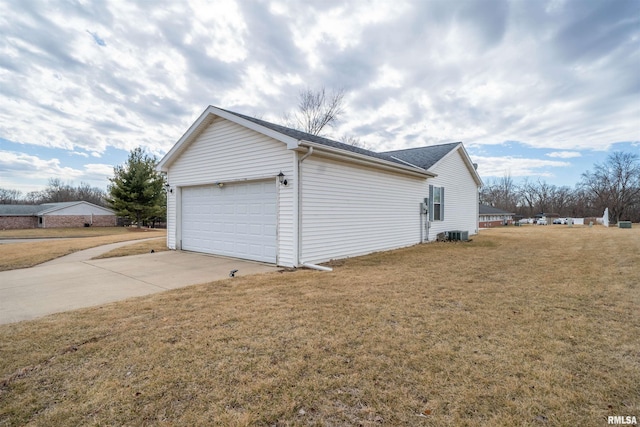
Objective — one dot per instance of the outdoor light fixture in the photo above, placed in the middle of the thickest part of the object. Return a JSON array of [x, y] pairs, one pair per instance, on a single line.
[[281, 178], [220, 184], [168, 188]]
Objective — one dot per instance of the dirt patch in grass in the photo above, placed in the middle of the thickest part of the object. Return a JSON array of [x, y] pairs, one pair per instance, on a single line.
[[155, 245], [24, 255], [522, 326]]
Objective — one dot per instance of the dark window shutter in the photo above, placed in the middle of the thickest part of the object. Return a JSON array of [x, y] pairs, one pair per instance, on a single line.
[[442, 204], [431, 203]]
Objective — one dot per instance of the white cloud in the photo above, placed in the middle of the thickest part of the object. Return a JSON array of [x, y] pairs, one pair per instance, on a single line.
[[27, 173], [341, 26], [97, 171], [515, 166], [388, 77], [564, 154]]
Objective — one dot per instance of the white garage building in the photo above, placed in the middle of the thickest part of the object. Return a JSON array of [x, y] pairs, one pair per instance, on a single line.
[[246, 188]]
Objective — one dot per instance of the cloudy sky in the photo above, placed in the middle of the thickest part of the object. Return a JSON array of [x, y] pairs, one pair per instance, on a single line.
[[535, 89]]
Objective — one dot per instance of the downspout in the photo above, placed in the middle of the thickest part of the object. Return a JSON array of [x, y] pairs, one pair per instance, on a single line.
[[307, 154], [317, 267], [300, 262]]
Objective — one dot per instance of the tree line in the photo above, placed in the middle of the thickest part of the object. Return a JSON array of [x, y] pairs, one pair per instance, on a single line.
[[613, 184], [55, 192], [136, 191]]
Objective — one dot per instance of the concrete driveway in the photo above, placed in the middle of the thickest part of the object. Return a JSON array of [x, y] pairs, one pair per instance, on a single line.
[[69, 283]]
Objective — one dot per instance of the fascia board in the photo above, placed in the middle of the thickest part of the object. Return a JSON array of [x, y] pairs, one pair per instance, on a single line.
[[472, 169]]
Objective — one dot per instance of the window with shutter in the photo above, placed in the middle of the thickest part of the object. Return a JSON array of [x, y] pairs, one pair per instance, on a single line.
[[436, 203]]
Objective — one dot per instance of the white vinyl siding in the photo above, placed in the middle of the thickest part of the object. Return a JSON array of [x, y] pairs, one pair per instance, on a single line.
[[461, 203], [350, 210], [227, 152], [171, 216]]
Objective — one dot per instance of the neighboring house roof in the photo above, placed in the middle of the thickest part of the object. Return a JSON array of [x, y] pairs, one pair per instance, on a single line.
[[490, 210], [43, 209], [424, 157], [19, 210]]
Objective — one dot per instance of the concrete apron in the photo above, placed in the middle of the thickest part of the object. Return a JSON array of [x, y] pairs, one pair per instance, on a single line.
[[34, 292]]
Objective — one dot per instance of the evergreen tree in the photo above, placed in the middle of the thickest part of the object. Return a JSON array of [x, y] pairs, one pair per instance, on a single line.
[[137, 189]]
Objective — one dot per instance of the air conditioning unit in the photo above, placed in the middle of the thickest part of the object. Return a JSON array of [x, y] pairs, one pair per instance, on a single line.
[[456, 235]]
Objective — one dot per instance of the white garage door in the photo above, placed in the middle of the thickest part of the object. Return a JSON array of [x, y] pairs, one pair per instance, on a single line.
[[237, 220]]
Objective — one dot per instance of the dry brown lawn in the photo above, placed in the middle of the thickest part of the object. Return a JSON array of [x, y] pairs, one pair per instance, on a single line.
[[66, 241], [76, 232], [535, 326]]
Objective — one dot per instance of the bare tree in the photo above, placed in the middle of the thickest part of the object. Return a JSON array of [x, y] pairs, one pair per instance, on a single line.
[[57, 191], [616, 184], [316, 110], [90, 194], [501, 193], [561, 199], [538, 196], [10, 197], [583, 204]]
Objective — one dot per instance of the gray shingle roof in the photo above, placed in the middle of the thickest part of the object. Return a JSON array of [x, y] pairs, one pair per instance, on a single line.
[[424, 157], [19, 210], [490, 210], [293, 133], [32, 210]]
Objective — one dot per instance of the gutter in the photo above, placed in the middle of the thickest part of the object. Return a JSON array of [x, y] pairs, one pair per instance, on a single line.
[[363, 159]]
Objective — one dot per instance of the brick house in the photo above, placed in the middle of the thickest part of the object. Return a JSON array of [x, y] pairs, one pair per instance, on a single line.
[[56, 215], [494, 217]]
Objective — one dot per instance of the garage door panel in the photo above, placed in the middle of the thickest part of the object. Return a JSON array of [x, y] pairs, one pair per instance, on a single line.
[[238, 220], [270, 230]]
